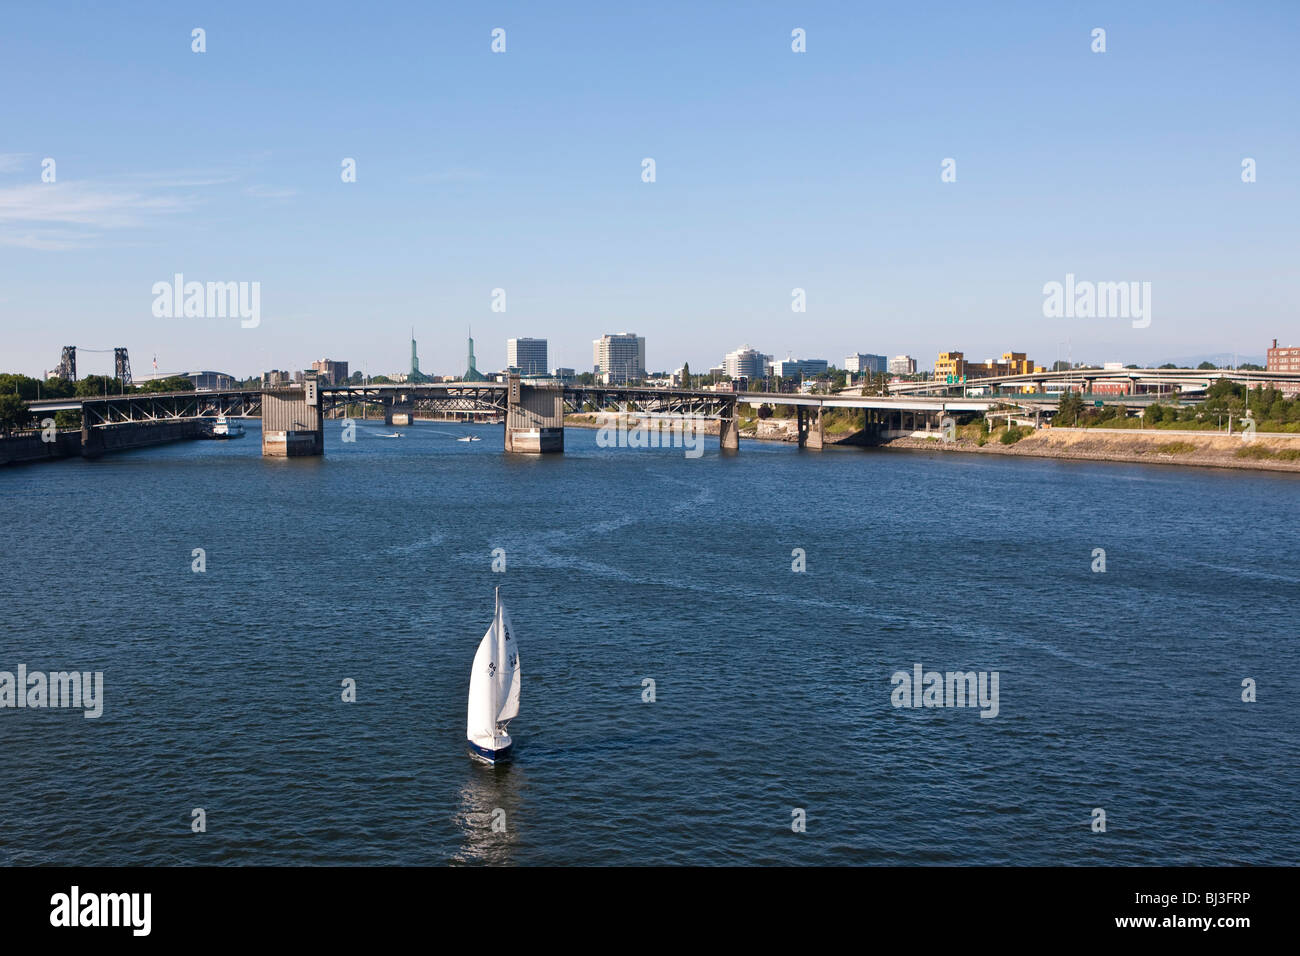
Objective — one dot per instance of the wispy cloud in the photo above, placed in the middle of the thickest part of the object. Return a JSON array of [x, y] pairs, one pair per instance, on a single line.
[[38, 215], [50, 241], [181, 179], [271, 192], [12, 162], [83, 204], [453, 175]]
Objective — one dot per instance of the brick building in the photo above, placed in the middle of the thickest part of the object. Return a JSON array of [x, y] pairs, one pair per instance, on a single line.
[[1285, 359]]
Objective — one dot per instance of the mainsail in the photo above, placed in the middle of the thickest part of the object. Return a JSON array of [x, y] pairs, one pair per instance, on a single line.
[[510, 674], [494, 681]]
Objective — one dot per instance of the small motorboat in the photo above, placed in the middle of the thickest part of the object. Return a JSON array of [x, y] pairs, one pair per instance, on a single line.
[[393, 435], [469, 438]]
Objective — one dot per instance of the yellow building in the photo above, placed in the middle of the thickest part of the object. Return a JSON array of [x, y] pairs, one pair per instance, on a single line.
[[950, 363], [1012, 363], [1017, 364]]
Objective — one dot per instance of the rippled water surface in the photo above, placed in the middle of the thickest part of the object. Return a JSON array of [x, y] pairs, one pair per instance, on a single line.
[[1119, 690]]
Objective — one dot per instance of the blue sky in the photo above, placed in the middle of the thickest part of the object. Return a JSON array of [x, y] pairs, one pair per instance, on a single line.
[[522, 171]]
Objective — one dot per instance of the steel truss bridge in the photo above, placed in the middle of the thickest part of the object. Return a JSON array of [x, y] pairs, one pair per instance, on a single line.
[[493, 397], [533, 415], [145, 407], [156, 407]]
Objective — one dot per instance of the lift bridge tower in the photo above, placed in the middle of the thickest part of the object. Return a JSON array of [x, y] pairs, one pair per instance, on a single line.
[[67, 369], [122, 367]]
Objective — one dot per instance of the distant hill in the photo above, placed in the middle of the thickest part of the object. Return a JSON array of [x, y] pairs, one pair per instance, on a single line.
[[1221, 360]]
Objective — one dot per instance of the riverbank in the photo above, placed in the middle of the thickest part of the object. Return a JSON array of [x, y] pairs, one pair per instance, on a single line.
[[1206, 450], [1202, 449]]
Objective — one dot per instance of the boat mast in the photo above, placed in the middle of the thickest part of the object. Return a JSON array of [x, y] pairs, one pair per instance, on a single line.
[[497, 624]]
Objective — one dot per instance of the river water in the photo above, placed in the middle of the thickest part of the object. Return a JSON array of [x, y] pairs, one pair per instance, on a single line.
[[222, 690]]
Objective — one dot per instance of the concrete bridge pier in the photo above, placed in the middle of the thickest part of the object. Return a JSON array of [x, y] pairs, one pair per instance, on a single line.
[[728, 429], [92, 442], [399, 413], [810, 427], [534, 418], [871, 424], [292, 423]]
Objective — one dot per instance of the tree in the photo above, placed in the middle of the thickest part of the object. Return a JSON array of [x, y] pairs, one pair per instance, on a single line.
[[686, 375], [1169, 365], [13, 413], [1206, 366], [93, 385], [1070, 408], [1224, 390], [21, 385]]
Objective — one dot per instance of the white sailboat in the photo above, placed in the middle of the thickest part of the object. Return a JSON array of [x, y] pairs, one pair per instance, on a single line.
[[493, 689]]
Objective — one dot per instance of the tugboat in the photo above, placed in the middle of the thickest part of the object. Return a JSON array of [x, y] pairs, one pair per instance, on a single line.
[[222, 428]]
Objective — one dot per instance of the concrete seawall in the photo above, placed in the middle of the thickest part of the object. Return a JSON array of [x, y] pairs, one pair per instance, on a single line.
[[29, 448]]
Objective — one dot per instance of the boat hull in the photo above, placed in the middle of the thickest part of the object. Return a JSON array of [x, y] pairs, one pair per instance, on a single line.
[[502, 749]]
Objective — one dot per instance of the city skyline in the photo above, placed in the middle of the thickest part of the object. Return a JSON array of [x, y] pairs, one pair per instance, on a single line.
[[90, 360], [520, 178]]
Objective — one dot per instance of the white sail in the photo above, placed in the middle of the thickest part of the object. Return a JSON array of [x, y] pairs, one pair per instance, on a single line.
[[494, 681], [484, 703], [510, 672]]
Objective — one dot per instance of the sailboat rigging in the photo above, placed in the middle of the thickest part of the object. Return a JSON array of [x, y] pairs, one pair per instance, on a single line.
[[493, 689]]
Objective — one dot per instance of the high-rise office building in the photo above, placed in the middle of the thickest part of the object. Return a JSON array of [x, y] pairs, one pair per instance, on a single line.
[[799, 368], [618, 359], [526, 356], [861, 362], [746, 363], [331, 372], [902, 365]]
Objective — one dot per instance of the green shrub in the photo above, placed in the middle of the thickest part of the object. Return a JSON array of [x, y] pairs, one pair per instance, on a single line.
[[1254, 451], [13, 413]]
